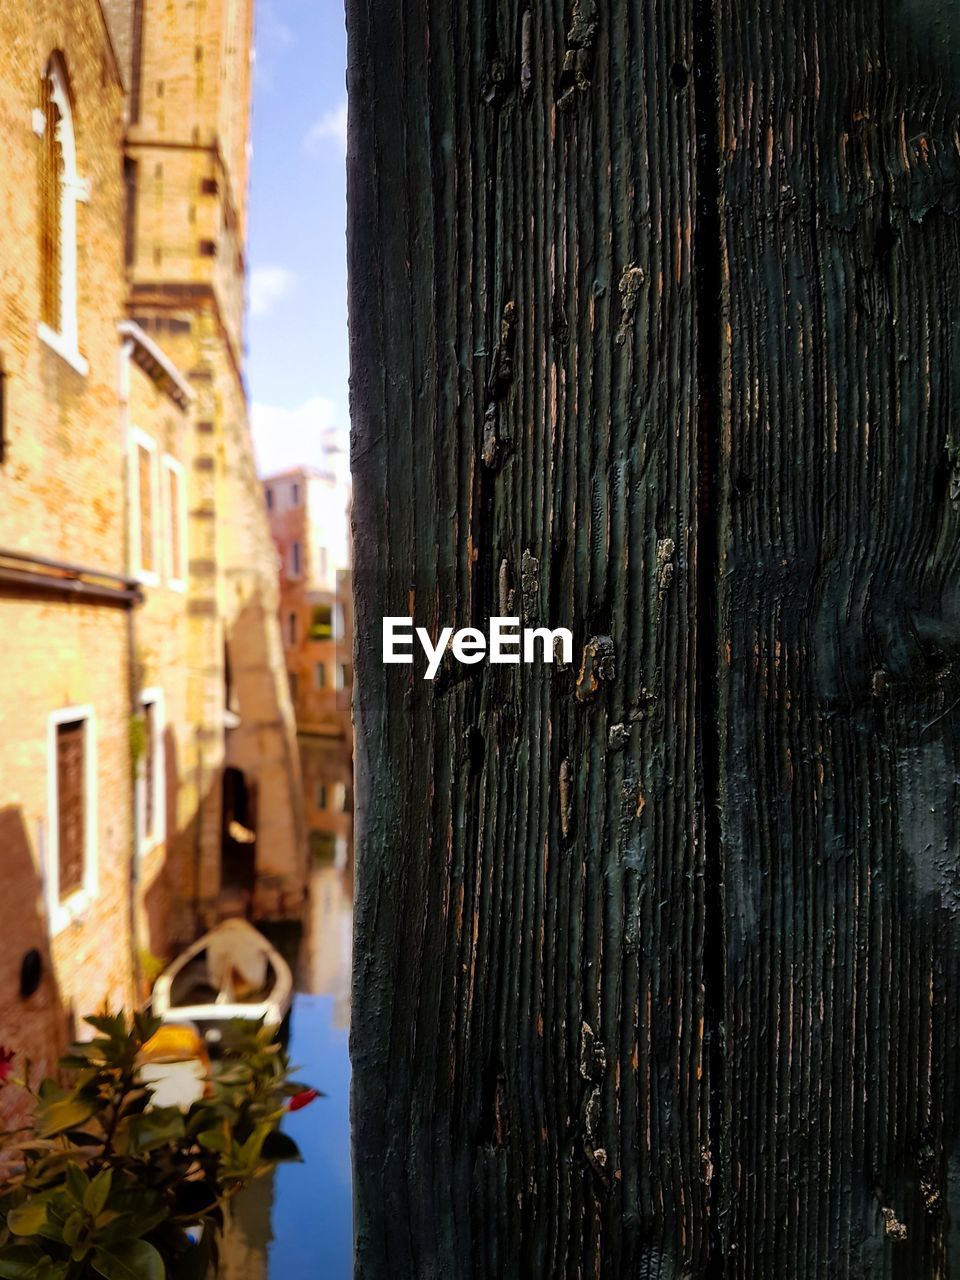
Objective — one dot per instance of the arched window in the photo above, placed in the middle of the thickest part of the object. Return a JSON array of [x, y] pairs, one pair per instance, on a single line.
[[60, 189]]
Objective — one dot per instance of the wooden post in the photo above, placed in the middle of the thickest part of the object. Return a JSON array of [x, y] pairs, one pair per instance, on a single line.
[[840, 635], [653, 336]]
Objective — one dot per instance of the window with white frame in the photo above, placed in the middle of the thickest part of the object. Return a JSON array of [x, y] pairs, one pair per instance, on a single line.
[[70, 862], [151, 773], [144, 507], [60, 190], [176, 522], [295, 560]]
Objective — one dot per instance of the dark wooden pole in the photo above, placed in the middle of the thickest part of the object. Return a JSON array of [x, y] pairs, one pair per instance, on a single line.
[[840, 607], [653, 331]]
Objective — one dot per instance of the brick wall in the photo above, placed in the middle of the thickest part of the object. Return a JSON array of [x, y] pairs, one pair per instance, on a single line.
[[61, 497], [309, 509], [65, 494]]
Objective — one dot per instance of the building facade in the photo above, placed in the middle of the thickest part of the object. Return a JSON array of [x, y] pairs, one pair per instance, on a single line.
[[149, 755], [308, 512]]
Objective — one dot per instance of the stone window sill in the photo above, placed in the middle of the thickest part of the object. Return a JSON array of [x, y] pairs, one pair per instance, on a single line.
[[56, 342]]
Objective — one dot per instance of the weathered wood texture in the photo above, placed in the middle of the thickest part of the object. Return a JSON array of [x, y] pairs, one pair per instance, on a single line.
[[653, 335], [840, 638], [530, 1075]]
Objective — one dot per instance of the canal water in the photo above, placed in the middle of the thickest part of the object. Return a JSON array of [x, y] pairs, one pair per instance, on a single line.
[[297, 1224]]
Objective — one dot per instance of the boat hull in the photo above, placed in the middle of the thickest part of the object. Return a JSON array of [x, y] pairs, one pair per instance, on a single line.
[[233, 939]]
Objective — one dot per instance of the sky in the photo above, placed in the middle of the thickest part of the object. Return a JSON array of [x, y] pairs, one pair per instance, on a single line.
[[297, 363]]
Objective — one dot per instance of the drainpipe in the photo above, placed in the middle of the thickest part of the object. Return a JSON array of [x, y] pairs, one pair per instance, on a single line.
[[198, 836], [126, 352]]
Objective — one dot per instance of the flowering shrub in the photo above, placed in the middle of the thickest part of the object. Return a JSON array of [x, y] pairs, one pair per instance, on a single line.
[[107, 1185]]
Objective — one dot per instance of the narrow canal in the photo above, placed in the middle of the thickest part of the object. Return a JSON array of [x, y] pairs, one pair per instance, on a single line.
[[297, 1224]]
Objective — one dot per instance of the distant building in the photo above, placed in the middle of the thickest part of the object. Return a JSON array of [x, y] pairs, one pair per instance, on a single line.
[[309, 519], [148, 754]]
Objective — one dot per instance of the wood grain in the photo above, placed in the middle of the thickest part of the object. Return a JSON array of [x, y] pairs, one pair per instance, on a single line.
[[654, 334], [530, 1076], [839, 638]]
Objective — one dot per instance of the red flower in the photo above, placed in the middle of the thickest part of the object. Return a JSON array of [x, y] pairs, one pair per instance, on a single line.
[[6, 1063], [302, 1099]]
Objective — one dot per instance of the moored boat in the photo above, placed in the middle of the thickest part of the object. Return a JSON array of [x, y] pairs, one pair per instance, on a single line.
[[231, 972]]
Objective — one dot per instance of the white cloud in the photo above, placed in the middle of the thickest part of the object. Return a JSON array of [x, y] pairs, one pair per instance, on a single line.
[[331, 127], [267, 286], [303, 437]]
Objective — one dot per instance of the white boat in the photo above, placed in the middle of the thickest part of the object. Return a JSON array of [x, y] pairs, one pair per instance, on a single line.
[[231, 972]]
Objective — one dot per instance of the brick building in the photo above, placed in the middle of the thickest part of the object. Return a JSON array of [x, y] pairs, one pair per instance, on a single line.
[[309, 519], [149, 751]]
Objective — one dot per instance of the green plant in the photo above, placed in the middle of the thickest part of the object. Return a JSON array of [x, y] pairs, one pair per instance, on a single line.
[[138, 740], [109, 1186], [151, 966]]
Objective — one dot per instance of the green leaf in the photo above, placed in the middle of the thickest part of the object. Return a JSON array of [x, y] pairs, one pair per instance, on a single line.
[[249, 1153], [28, 1219], [98, 1192], [51, 1168], [67, 1113], [130, 1226], [73, 1227], [47, 1269], [58, 1210], [19, 1261], [146, 1025], [139, 1210], [214, 1140], [112, 1025], [137, 1260], [77, 1183], [279, 1146], [155, 1128]]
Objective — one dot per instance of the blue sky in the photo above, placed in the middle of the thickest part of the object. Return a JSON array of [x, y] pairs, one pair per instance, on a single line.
[[297, 364]]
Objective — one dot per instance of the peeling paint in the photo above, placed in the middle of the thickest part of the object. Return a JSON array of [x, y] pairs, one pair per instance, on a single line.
[[530, 587], [566, 797], [578, 58], [597, 667], [631, 282]]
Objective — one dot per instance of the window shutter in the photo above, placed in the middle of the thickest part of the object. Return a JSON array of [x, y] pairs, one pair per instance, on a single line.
[[51, 181], [71, 807], [149, 767]]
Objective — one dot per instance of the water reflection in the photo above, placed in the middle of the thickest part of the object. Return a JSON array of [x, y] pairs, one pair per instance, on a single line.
[[297, 1223]]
